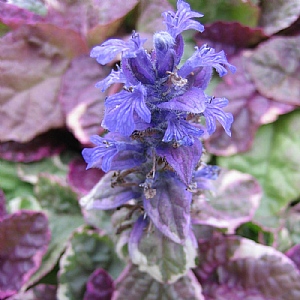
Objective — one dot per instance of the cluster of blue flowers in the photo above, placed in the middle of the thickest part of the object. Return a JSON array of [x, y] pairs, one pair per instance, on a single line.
[[155, 122]]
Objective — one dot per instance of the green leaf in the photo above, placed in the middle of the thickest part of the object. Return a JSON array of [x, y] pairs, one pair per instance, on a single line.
[[56, 165], [274, 161], [55, 195], [86, 251], [244, 12], [10, 183], [24, 202]]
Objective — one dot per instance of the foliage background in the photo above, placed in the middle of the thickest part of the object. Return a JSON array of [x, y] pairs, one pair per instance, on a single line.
[[50, 107]]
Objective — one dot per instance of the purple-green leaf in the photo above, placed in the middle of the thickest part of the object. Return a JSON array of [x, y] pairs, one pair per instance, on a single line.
[[232, 202], [24, 237], [135, 285], [182, 159], [158, 256], [169, 209], [236, 268], [274, 68]]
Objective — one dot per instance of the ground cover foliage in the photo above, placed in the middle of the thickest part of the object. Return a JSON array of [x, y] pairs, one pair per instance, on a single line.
[[247, 231]]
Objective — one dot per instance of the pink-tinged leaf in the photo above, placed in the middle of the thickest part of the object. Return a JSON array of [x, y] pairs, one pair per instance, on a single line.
[[229, 36], [30, 77], [232, 202], [100, 286], [182, 159], [135, 285], [249, 109], [294, 255], [236, 268], [42, 146], [274, 68], [38, 292], [80, 179], [24, 237], [277, 15], [169, 209], [2, 205], [83, 104]]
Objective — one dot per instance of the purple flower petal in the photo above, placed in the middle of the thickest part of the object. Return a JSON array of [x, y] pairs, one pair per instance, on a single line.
[[213, 111], [181, 20], [206, 57], [191, 101], [180, 131], [113, 77], [120, 108], [109, 49]]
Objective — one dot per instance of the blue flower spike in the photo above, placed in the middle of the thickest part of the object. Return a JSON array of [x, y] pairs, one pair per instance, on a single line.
[[154, 140]]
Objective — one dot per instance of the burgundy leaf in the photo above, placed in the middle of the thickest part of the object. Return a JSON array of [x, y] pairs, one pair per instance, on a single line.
[[24, 237], [169, 209], [135, 285], [100, 286], [80, 179], [45, 145], [83, 104], [229, 36], [274, 68], [249, 109], [232, 202]]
